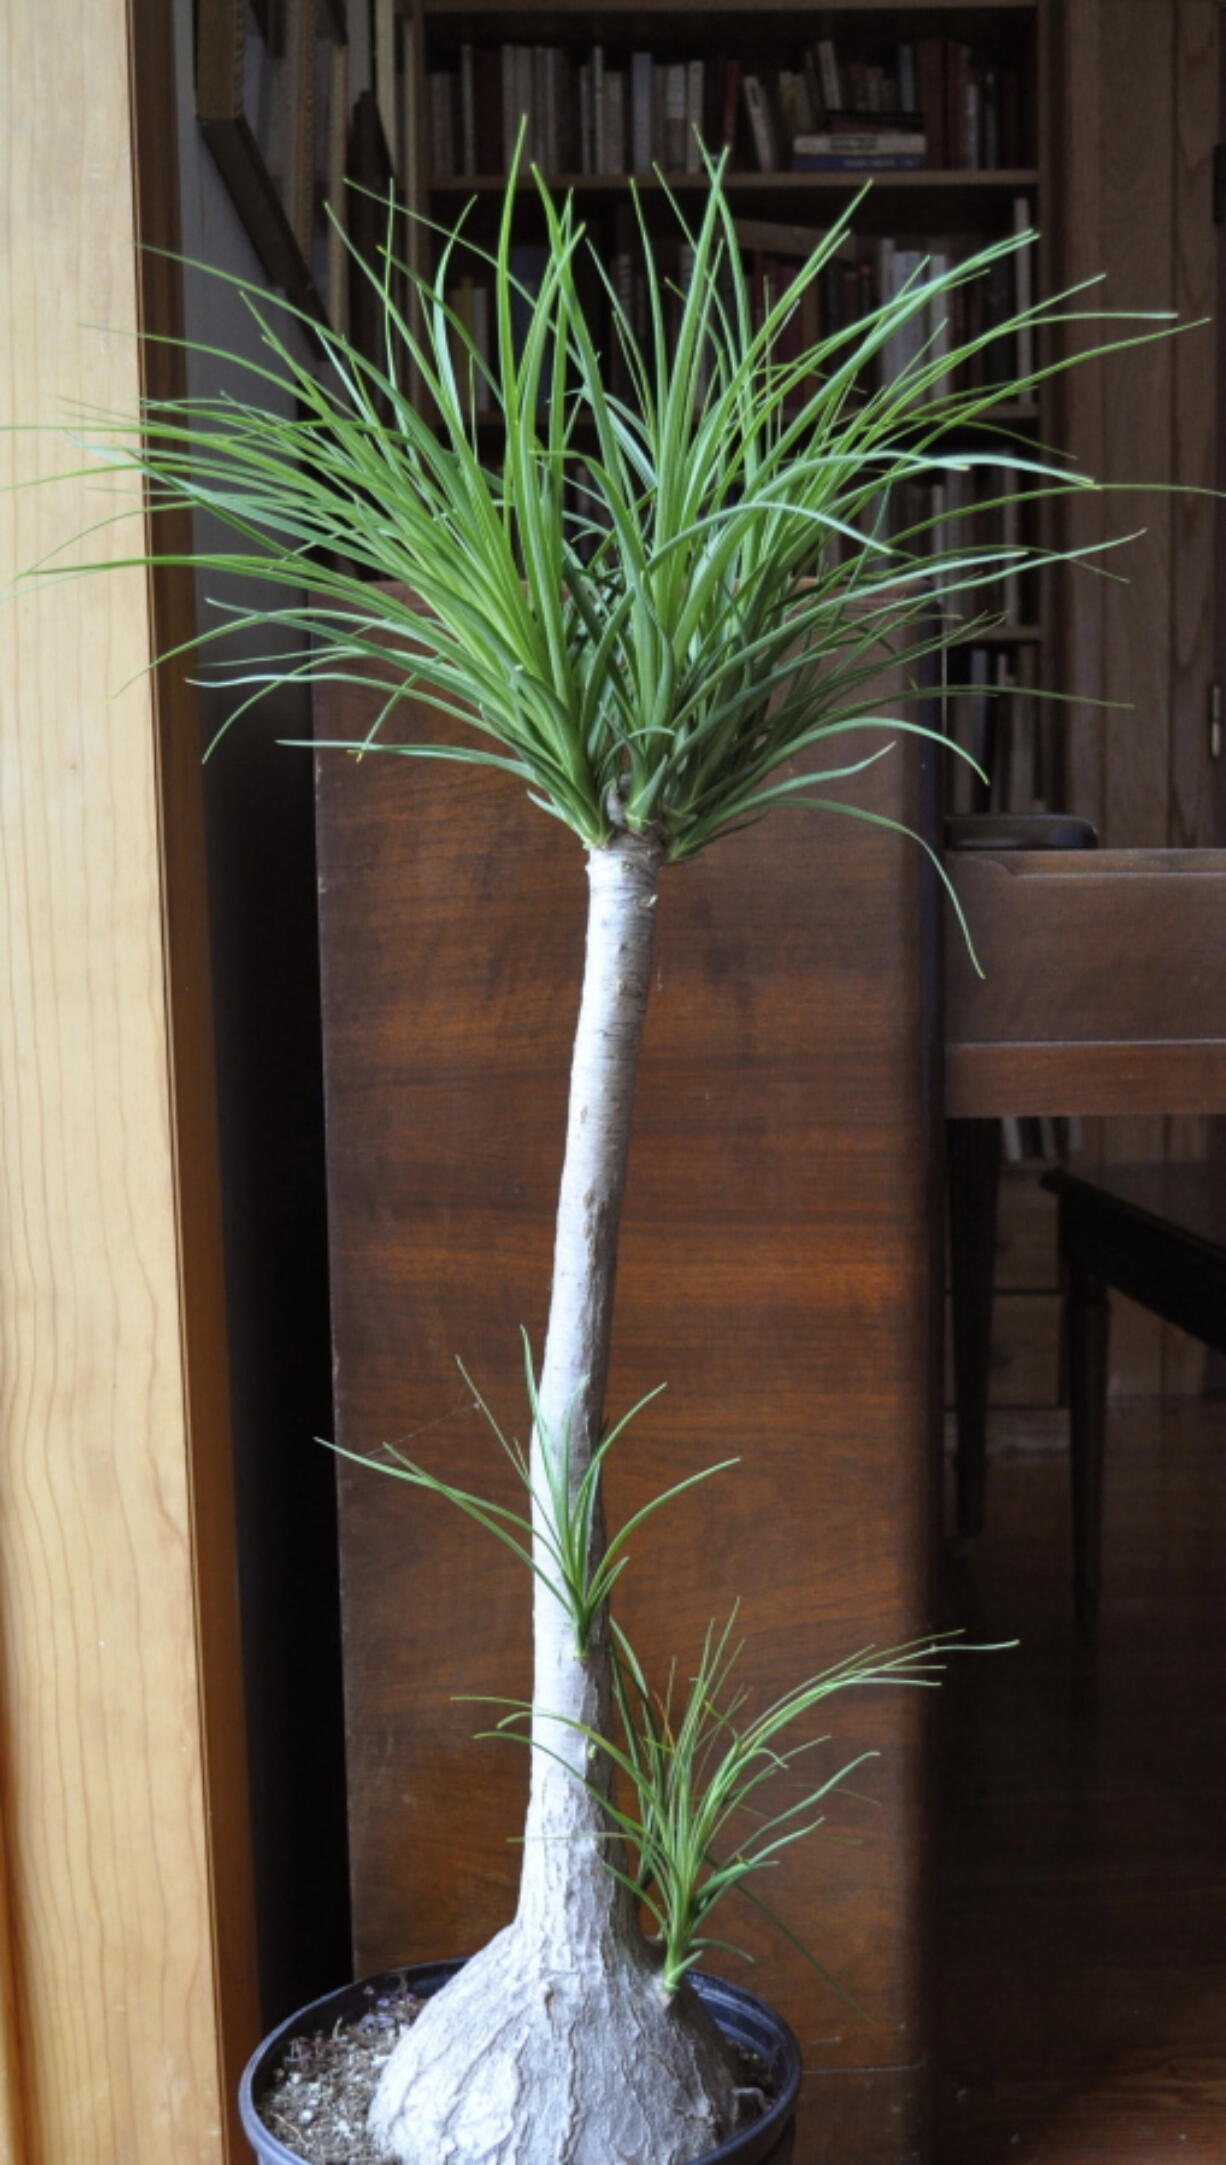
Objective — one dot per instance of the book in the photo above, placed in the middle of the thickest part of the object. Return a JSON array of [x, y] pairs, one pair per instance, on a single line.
[[695, 93], [510, 119], [907, 94], [487, 97], [441, 91], [731, 103], [828, 71], [858, 161], [796, 114], [830, 143], [930, 95], [614, 130], [596, 65], [761, 124], [675, 107], [775, 237], [642, 152]]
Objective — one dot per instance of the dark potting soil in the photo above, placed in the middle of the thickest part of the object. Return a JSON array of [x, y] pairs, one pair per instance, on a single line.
[[320, 2094]]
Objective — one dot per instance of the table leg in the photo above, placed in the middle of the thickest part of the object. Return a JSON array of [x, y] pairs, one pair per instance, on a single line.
[[1088, 1315], [973, 1152]]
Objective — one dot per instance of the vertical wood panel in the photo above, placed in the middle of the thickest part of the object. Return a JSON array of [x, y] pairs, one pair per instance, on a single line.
[[1140, 90], [1076, 214], [105, 1798], [775, 1271], [1193, 458], [1194, 421], [1137, 84]]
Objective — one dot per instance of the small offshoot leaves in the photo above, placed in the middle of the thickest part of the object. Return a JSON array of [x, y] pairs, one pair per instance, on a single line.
[[563, 1515], [696, 1815]]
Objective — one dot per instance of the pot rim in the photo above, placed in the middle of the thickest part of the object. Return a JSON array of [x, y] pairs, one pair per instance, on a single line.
[[740, 2014]]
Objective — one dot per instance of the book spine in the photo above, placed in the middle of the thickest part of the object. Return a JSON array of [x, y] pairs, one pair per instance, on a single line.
[[641, 66], [989, 120], [858, 161], [972, 157], [553, 115], [695, 86], [828, 69], [674, 116], [955, 65], [614, 120], [760, 124], [468, 111], [930, 91], [385, 77], [907, 94], [537, 107], [598, 144], [441, 85], [487, 108], [731, 105], [587, 133], [409, 117], [846, 145], [510, 118]]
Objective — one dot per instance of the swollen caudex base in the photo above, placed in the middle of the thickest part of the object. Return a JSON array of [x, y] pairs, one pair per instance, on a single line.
[[519, 2061]]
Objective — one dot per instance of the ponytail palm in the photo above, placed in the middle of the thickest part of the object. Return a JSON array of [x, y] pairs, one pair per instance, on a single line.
[[663, 612]]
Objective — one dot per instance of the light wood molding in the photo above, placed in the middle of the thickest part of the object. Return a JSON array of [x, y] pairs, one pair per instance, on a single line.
[[114, 1437]]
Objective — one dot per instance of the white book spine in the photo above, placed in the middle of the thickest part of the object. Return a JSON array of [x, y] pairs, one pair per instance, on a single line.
[[759, 123]]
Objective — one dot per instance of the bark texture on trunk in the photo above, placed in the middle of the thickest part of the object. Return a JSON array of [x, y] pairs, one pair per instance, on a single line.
[[556, 2045]]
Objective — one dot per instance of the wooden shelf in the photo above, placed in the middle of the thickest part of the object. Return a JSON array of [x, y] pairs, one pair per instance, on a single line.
[[1008, 180], [1004, 635], [956, 9]]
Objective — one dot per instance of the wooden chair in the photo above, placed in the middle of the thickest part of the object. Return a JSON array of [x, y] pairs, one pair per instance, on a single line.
[[1158, 1234]]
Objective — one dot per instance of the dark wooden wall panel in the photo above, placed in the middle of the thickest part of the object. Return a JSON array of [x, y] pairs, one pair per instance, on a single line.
[[1137, 89], [775, 1273]]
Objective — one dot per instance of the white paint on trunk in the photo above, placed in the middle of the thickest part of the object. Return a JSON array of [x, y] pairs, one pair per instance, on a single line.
[[556, 2044]]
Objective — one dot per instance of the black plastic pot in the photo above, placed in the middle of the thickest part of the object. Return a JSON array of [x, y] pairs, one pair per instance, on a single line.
[[740, 2015]]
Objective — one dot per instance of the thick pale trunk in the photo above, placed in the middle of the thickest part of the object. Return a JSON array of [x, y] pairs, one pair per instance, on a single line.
[[565, 1824], [556, 2045]]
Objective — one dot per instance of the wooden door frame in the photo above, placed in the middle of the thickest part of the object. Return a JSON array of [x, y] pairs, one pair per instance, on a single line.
[[128, 1983]]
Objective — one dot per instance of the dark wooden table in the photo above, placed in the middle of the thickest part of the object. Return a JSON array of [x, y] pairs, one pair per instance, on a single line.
[[1158, 1234]]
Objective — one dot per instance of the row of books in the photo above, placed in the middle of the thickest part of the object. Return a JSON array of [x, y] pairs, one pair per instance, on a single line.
[[865, 272], [971, 110], [588, 111], [862, 273]]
